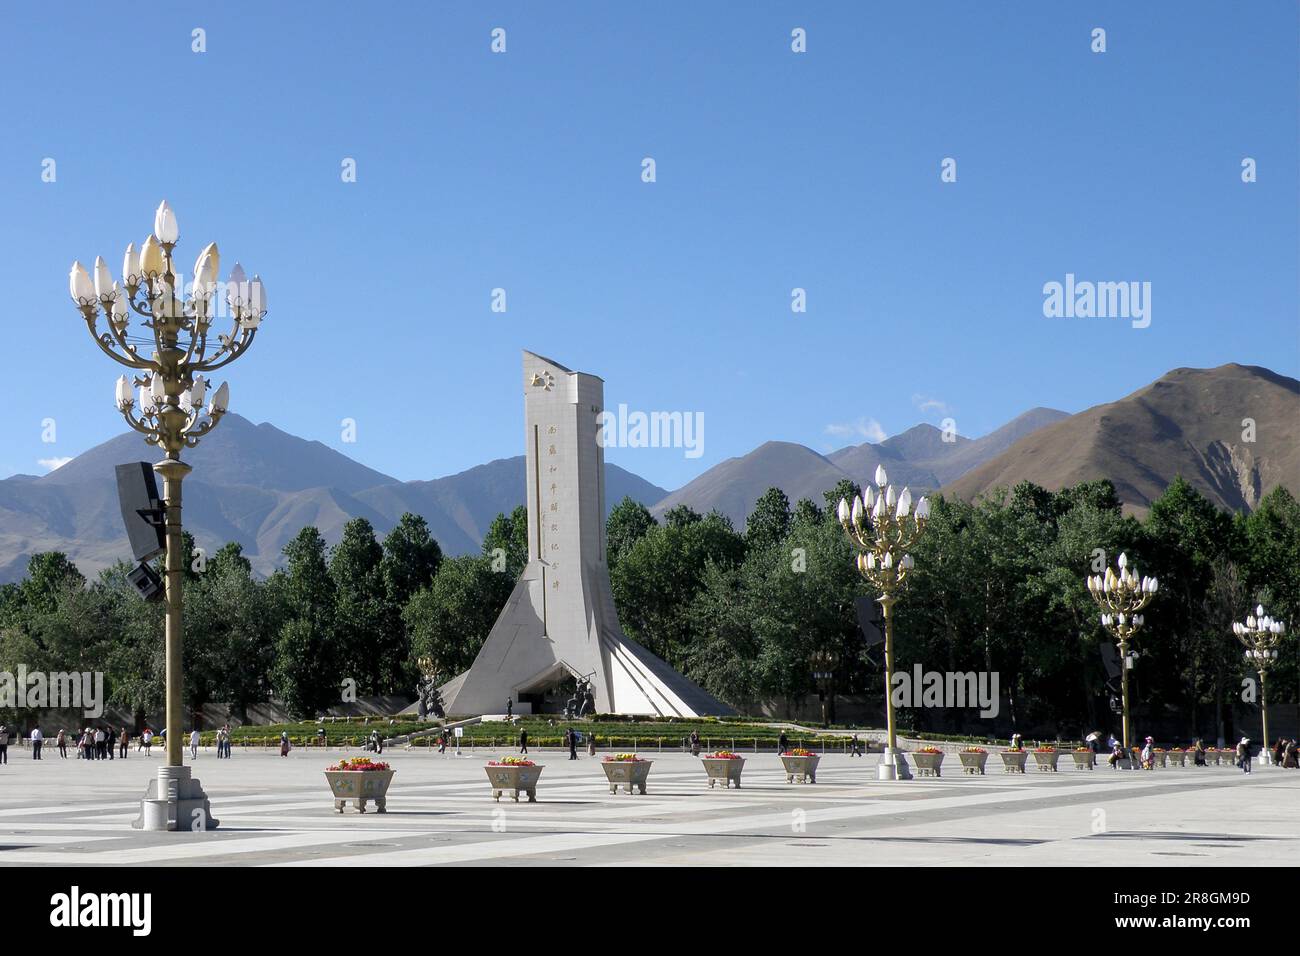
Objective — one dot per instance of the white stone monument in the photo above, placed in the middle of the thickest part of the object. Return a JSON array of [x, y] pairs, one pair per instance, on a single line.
[[560, 624]]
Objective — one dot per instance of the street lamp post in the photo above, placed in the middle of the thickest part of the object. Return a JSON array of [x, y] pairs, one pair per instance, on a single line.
[[823, 664], [1261, 635], [1121, 596], [169, 413], [884, 528]]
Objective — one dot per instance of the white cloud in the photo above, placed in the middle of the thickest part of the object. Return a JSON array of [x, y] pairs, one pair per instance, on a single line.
[[928, 403], [49, 464], [865, 429]]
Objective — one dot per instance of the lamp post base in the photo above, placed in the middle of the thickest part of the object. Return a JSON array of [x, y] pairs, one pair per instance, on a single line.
[[893, 765], [175, 801]]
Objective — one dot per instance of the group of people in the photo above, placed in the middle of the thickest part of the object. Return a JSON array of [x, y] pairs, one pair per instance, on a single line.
[[99, 743], [94, 743], [1285, 753]]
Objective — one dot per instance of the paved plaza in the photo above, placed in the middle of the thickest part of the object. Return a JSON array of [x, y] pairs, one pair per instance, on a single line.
[[278, 811]]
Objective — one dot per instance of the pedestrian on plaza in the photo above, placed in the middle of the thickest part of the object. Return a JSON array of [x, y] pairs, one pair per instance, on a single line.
[[523, 740], [1116, 755], [123, 738], [510, 708], [1093, 740], [1198, 753], [83, 745], [37, 738], [1290, 758], [782, 743], [695, 743], [4, 744], [62, 741], [1279, 749], [100, 740], [856, 747], [194, 744], [1148, 755], [146, 741], [1243, 755], [591, 745], [111, 742], [284, 743]]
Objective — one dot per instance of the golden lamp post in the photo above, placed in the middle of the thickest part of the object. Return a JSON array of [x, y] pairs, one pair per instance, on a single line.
[[884, 528], [171, 358], [1121, 596], [1261, 635]]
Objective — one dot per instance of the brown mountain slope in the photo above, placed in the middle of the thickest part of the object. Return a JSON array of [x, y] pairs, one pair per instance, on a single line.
[[1189, 422]]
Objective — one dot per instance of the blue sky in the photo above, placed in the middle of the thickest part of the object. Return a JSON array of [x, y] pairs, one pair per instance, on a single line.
[[775, 170]]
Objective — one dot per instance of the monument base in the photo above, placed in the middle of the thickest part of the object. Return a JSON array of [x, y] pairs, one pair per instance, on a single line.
[[174, 800], [893, 765]]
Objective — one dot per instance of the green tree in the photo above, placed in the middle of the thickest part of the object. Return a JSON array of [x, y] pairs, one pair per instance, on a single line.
[[449, 620], [507, 538], [769, 522], [628, 523], [307, 675], [411, 558]]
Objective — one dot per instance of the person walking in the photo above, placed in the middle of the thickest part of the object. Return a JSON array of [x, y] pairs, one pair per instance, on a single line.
[[62, 741], [695, 743], [1093, 740], [284, 743], [1148, 754], [4, 744], [855, 749], [194, 744], [146, 741], [591, 745], [523, 740], [37, 738], [782, 743], [510, 708], [1243, 755], [101, 744], [123, 739], [1198, 753], [110, 744], [1290, 760]]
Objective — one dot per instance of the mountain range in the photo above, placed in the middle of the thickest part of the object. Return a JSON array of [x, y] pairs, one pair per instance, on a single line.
[[1232, 431]]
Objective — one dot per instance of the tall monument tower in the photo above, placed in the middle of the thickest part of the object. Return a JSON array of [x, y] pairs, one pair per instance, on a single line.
[[559, 623]]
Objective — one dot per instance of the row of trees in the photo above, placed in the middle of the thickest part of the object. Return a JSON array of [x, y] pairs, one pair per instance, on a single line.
[[998, 586]]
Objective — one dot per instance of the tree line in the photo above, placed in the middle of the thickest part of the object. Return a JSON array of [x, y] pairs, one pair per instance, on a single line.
[[998, 586]]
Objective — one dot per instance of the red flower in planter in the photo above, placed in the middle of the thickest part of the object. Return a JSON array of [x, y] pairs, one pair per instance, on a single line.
[[723, 755], [360, 763], [511, 762]]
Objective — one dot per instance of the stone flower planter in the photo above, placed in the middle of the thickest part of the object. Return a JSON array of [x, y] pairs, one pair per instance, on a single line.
[[360, 786], [626, 774], [800, 768], [1013, 761], [515, 778], [1047, 761], [928, 764], [1159, 758], [973, 763], [723, 770], [1082, 759], [1178, 758]]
